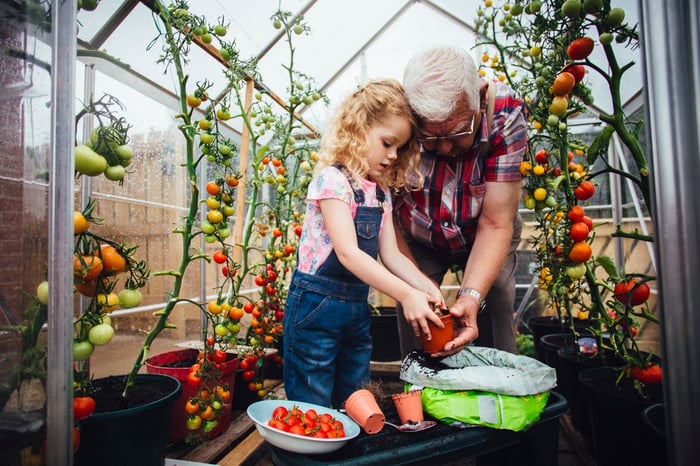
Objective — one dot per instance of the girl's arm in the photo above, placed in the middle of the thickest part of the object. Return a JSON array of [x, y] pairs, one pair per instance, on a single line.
[[415, 300]]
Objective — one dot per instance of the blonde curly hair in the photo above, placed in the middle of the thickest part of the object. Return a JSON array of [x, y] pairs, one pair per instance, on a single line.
[[345, 140]]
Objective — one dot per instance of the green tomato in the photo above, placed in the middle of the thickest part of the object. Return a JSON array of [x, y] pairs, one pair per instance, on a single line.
[[82, 349], [207, 228], [124, 152], [606, 38], [88, 162], [615, 17], [129, 298], [101, 334], [115, 173], [42, 292], [571, 8], [575, 272], [206, 138]]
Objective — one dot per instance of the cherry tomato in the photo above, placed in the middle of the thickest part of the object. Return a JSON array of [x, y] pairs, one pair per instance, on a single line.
[[580, 48], [83, 407], [129, 298], [632, 291], [220, 356], [219, 257], [578, 71], [192, 406], [651, 375], [585, 190], [579, 231]]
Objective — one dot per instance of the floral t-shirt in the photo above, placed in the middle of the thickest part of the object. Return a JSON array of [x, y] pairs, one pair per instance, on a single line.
[[330, 183]]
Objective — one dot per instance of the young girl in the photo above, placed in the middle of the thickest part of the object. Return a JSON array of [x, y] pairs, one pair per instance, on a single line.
[[368, 149]]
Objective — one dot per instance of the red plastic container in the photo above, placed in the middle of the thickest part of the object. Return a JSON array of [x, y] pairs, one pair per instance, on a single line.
[[177, 364]]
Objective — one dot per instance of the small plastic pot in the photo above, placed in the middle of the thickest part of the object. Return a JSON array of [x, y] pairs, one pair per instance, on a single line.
[[439, 336], [362, 407], [409, 406]]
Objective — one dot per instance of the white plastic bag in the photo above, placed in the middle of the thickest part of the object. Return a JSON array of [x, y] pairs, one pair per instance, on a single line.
[[479, 368]]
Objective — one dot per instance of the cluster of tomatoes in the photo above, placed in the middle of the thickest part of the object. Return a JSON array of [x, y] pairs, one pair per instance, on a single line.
[[106, 153], [96, 263], [204, 409], [306, 423], [219, 202]]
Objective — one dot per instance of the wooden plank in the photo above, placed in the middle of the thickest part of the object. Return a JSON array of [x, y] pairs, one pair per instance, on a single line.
[[243, 450]]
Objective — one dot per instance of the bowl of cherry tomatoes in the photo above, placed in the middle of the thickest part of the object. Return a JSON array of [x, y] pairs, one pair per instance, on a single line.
[[304, 428]]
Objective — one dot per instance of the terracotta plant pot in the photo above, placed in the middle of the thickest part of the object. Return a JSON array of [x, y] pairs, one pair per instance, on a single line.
[[439, 336], [409, 406], [362, 407]]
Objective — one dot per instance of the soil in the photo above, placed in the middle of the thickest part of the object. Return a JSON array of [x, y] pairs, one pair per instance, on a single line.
[[107, 393]]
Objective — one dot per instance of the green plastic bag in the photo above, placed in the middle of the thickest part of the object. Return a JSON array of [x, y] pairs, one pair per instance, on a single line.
[[484, 408]]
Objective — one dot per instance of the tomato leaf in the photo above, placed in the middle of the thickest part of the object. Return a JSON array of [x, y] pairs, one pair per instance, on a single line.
[[609, 266], [599, 146]]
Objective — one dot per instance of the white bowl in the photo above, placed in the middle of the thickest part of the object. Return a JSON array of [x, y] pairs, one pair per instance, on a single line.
[[261, 411]]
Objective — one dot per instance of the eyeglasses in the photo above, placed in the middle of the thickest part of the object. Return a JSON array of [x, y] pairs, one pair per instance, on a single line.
[[431, 140]]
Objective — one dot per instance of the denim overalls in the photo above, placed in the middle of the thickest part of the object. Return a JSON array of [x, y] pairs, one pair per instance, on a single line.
[[327, 343]]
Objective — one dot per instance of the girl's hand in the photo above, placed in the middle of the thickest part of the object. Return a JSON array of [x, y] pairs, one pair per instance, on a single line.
[[418, 309]]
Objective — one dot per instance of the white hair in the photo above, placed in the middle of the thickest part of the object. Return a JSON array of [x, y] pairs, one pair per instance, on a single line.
[[435, 79]]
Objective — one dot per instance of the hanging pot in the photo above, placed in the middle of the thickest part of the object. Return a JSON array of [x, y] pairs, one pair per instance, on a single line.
[[131, 432]]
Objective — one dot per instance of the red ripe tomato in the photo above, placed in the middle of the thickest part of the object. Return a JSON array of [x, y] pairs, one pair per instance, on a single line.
[[651, 375], [585, 190], [579, 231], [83, 407], [220, 356], [297, 230], [279, 412], [297, 429], [576, 214], [580, 48], [248, 375], [248, 308], [259, 280], [579, 71], [633, 292], [219, 257], [588, 221], [541, 156]]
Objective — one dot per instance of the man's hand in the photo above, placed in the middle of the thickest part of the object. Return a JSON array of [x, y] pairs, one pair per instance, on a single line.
[[464, 312]]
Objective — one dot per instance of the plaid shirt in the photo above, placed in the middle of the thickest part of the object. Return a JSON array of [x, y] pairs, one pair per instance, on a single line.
[[443, 213]]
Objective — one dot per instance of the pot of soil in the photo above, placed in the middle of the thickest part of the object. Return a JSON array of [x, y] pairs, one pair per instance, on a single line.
[[385, 334], [571, 361], [546, 325], [177, 364], [128, 431], [549, 345], [618, 433]]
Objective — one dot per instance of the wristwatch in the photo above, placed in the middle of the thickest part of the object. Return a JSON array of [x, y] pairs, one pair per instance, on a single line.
[[474, 293]]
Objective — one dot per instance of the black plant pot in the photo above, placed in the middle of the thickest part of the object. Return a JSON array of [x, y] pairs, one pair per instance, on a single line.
[[135, 435], [570, 363], [618, 432], [550, 344], [547, 325], [385, 335]]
